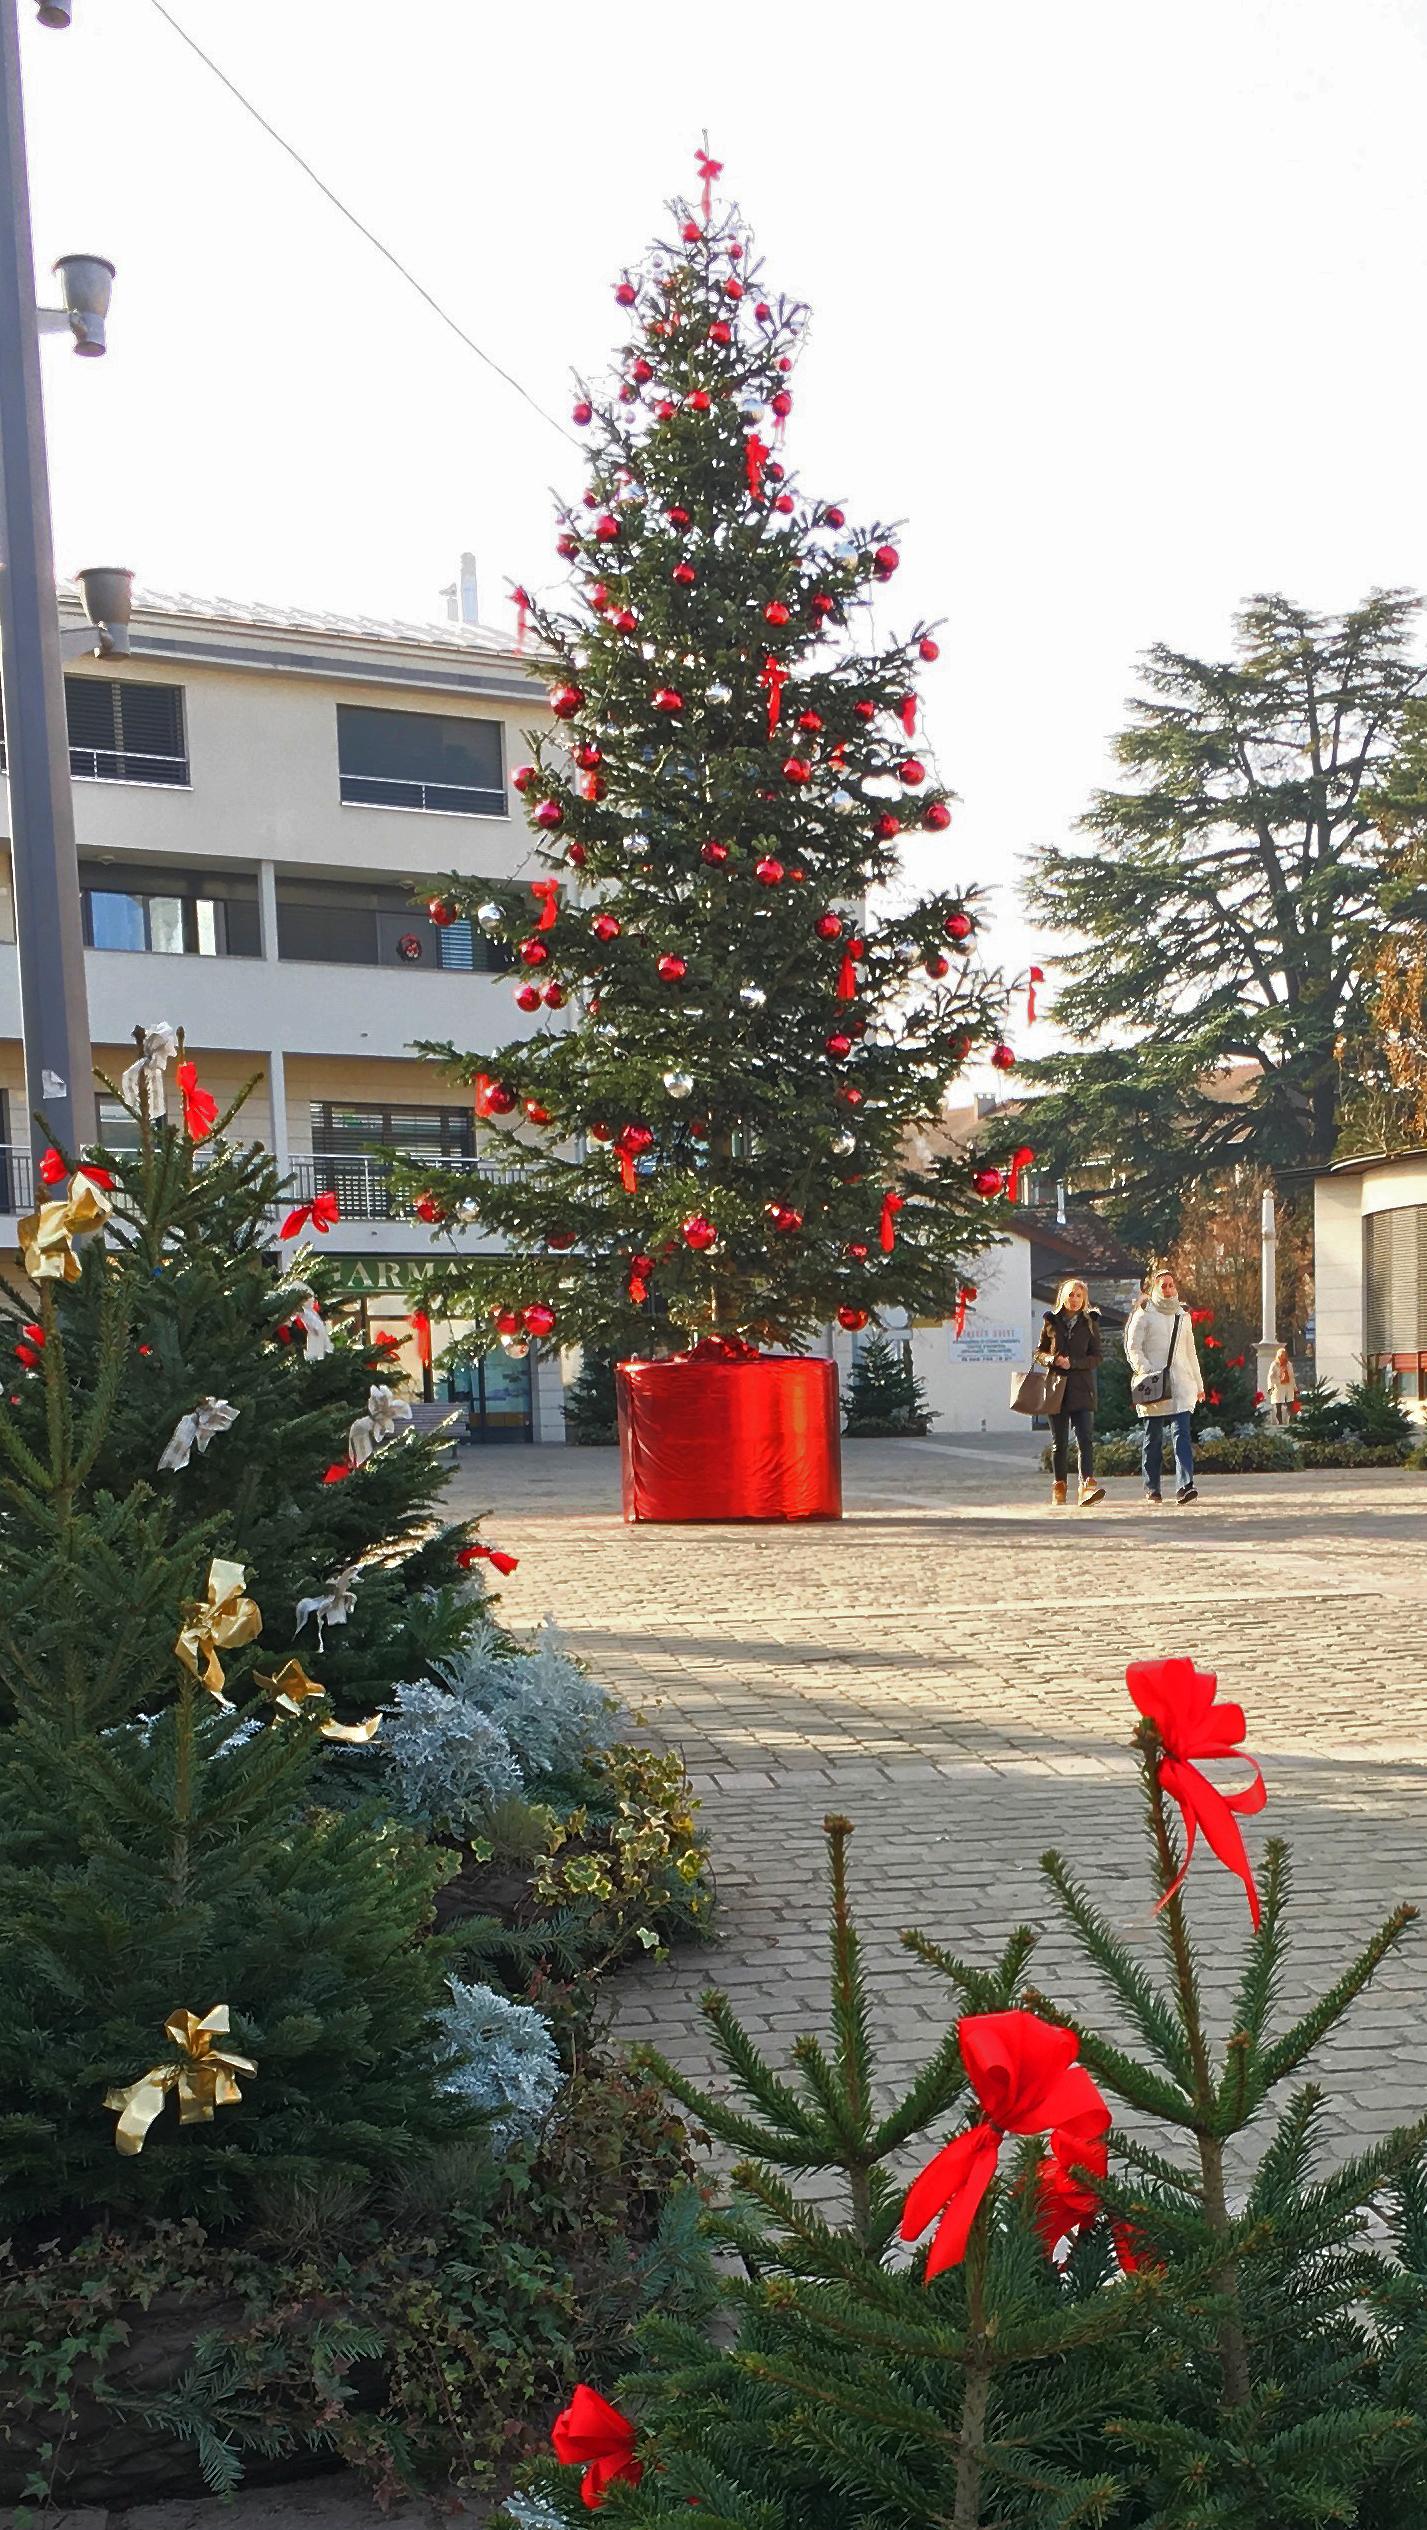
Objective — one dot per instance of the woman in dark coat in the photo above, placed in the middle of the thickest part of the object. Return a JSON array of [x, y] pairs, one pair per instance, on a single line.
[[1070, 1339]]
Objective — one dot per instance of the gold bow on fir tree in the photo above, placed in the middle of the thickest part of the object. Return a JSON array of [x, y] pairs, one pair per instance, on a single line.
[[47, 1236], [203, 2079], [291, 1687], [222, 1622]]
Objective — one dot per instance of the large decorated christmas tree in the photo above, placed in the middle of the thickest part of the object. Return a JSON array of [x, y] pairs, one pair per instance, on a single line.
[[713, 1142]]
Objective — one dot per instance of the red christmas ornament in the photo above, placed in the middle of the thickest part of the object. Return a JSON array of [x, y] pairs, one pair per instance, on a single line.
[[937, 965], [29, 1359], [555, 997], [582, 414], [986, 1181], [636, 1138], [936, 816], [538, 1319], [911, 770], [672, 969], [785, 1219], [850, 1094], [700, 400], [428, 1208], [665, 412], [534, 953], [593, 786], [775, 612], [528, 997], [886, 826], [601, 1132], [769, 872], [733, 289], [587, 755], [811, 721], [834, 517], [684, 576], [678, 516], [567, 546], [576, 855], [691, 232], [785, 364], [627, 394], [720, 332], [549, 816], [958, 926], [714, 853], [506, 1322], [537, 1113], [781, 404], [625, 294], [885, 561], [1003, 1058], [796, 876], [698, 1231], [626, 621], [838, 1045], [499, 1101], [667, 699], [607, 529], [591, 500], [857, 1249], [822, 604], [763, 312], [828, 927], [522, 778], [928, 649], [565, 701], [865, 708], [641, 372], [606, 926], [852, 1318], [441, 913], [797, 769]]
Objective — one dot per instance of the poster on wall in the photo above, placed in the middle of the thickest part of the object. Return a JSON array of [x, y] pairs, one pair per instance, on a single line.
[[988, 1344]]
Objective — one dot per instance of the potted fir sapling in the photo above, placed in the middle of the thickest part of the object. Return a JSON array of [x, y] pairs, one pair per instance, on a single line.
[[705, 1146]]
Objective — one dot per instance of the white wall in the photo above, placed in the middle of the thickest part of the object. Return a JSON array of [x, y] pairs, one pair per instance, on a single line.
[[1338, 1278]]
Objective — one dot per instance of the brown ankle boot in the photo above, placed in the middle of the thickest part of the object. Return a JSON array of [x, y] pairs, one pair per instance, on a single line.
[[1057, 1494], [1090, 1492]]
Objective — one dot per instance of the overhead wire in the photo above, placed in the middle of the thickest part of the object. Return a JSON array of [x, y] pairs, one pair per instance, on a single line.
[[360, 225]]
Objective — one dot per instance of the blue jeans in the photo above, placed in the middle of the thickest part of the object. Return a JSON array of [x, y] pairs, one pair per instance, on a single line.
[[1152, 1449]]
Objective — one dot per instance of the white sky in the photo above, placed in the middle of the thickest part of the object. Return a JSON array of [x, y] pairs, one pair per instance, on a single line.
[[1117, 304]]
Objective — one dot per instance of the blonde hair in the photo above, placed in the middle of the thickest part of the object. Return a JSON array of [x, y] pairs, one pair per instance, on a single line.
[[1073, 1282]]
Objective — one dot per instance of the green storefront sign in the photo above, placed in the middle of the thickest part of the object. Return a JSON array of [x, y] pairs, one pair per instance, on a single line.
[[367, 1277]]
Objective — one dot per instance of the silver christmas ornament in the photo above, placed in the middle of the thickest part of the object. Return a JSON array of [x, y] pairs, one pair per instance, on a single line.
[[751, 408], [468, 1209], [679, 1084], [517, 1346], [844, 1144], [718, 693], [490, 917], [752, 996]]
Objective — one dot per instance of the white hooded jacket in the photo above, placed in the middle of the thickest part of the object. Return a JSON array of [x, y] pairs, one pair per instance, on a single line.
[[1147, 1341]]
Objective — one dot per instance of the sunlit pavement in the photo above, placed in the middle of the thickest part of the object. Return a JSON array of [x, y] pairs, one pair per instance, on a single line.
[[947, 1666]]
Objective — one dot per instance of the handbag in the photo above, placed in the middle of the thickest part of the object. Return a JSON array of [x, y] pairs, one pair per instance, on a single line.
[[1152, 1386], [1038, 1390]]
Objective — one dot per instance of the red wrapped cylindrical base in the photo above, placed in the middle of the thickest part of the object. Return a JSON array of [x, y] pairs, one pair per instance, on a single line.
[[703, 1437]]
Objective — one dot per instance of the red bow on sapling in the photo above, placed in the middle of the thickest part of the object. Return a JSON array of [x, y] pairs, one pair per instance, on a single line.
[[200, 1107], [887, 1227], [591, 2434], [1180, 1702], [1024, 2074], [321, 1213]]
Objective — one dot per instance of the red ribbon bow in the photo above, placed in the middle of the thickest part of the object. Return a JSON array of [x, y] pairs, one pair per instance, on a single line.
[[1180, 1701], [592, 2435], [1022, 1159], [479, 1553], [200, 1107], [1024, 2075], [756, 455], [847, 978], [907, 709], [546, 892], [1064, 2200], [420, 1325], [627, 1178], [520, 600], [964, 1296], [53, 1170], [773, 676], [484, 1083], [886, 1228], [1037, 976], [321, 1212], [708, 169]]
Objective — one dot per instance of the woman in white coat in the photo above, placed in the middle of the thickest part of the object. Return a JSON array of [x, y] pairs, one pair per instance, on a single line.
[[1160, 1335]]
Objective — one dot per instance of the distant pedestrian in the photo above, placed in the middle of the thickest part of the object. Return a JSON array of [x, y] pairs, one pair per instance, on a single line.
[[1282, 1387], [1070, 1340], [1159, 1339]]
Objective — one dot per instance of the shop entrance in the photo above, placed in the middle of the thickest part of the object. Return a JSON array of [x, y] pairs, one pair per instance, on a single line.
[[495, 1392]]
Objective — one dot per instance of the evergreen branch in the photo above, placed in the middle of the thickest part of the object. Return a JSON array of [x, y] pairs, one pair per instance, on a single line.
[[1288, 2052], [1148, 2005], [1131, 2081], [805, 2150]]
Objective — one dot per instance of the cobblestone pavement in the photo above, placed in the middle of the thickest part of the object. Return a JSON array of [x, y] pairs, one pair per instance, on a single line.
[[947, 1666]]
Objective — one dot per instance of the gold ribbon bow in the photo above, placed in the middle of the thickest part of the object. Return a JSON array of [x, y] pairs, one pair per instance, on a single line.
[[222, 1622], [46, 1236], [203, 2078], [291, 1687]]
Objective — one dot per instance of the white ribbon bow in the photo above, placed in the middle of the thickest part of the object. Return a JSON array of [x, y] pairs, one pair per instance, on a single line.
[[314, 1325], [331, 1606], [142, 1085], [209, 1416], [384, 1412]]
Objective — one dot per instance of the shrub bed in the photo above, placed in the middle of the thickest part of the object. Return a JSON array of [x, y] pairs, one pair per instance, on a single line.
[[1251, 1454]]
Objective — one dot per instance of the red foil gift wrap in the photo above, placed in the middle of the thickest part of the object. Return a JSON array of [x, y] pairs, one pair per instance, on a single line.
[[712, 1435]]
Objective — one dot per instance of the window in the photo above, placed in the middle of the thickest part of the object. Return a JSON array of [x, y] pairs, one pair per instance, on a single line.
[[170, 913], [421, 760], [1395, 1281], [118, 1130], [339, 923], [418, 1133], [122, 732]]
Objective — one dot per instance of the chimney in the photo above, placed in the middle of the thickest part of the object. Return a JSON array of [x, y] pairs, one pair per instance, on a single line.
[[460, 594]]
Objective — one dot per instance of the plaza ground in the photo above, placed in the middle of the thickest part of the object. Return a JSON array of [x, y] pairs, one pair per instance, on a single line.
[[947, 1667]]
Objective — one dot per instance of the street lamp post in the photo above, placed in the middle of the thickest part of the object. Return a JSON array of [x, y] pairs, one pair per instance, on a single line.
[[53, 1003], [1268, 1288]]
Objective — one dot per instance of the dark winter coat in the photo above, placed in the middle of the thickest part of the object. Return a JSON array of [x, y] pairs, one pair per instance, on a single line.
[[1076, 1333]]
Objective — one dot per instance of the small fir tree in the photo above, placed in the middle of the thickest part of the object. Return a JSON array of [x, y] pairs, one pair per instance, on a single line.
[[884, 1397], [591, 1411], [1374, 1413], [1322, 1413], [757, 1027], [1230, 1398], [208, 1313]]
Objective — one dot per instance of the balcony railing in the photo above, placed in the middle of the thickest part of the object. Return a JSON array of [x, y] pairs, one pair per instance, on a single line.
[[17, 1179], [365, 1188]]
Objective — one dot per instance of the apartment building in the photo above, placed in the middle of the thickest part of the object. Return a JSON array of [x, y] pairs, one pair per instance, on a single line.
[[256, 790]]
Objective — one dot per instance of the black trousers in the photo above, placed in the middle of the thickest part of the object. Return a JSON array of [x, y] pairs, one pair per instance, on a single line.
[[1083, 1418]]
